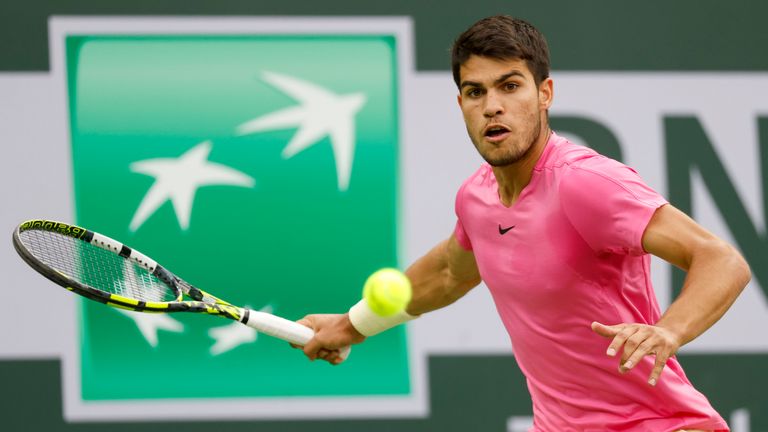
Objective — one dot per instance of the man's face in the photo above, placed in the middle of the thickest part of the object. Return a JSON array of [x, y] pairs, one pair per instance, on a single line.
[[503, 107]]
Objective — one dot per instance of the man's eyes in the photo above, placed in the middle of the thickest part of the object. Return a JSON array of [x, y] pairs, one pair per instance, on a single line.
[[474, 92]]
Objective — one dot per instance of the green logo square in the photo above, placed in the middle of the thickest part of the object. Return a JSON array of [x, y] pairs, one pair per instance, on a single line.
[[261, 168]]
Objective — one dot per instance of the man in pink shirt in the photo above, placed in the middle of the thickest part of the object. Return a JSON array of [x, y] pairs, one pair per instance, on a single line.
[[561, 236]]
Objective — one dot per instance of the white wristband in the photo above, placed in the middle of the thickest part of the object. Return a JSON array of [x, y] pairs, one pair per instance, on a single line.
[[369, 323]]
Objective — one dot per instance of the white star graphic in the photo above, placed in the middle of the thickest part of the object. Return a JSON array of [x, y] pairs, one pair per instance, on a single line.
[[231, 336], [320, 114], [177, 179], [149, 324]]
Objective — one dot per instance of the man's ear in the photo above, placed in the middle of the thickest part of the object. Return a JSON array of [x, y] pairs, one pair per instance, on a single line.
[[546, 93]]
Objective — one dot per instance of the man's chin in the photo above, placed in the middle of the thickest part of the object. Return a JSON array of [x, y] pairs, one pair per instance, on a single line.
[[512, 155], [503, 160], [499, 163]]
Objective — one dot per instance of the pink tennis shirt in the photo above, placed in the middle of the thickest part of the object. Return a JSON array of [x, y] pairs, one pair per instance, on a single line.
[[566, 253]]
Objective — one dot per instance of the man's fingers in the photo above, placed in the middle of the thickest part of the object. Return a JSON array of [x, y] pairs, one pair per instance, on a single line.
[[658, 367], [637, 341], [639, 337], [618, 341], [334, 358], [634, 358], [312, 348], [331, 341], [328, 354], [306, 322], [605, 330]]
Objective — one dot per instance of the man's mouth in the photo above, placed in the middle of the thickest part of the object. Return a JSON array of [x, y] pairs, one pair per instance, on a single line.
[[495, 133]]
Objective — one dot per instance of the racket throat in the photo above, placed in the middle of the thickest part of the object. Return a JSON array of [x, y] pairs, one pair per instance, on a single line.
[[179, 285], [195, 294]]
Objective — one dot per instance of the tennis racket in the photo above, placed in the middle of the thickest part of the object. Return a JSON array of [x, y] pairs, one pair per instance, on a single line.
[[105, 270]]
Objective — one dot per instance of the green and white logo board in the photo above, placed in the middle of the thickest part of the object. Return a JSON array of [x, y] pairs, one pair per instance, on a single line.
[[259, 160]]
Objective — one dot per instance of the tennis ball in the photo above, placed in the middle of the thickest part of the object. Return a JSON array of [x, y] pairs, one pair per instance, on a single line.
[[387, 291]]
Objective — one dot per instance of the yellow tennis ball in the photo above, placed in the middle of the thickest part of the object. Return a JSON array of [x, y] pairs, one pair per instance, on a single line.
[[387, 291]]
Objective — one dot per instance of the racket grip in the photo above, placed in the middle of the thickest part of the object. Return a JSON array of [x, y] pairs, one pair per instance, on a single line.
[[284, 329], [280, 328]]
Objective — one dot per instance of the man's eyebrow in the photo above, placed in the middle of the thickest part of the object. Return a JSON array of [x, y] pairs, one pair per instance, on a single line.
[[509, 75], [499, 80], [470, 84]]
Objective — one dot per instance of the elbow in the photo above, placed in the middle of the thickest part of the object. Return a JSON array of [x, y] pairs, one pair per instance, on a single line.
[[744, 272], [738, 268]]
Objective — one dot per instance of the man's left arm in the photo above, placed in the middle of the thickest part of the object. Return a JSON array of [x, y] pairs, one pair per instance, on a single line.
[[716, 275]]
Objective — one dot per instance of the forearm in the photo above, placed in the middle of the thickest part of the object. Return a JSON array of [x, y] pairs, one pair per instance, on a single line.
[[716, 276], [442, 276], [437, 279]]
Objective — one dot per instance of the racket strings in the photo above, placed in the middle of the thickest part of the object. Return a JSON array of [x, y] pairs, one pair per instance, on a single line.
[[95, 267]]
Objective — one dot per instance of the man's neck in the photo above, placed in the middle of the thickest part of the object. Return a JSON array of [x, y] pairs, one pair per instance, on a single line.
[[513, 178]]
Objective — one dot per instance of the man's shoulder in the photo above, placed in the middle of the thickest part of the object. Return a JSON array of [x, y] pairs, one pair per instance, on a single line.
[[564, 153], [594, 176], [569, 157]]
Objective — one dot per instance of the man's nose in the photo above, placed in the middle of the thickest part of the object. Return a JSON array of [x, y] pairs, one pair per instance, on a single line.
[[493, 105]]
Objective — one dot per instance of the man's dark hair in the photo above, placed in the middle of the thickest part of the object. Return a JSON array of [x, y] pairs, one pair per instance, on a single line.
[[502, 37]]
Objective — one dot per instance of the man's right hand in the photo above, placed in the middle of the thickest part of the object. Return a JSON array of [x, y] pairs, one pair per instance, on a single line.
[[332, 333]]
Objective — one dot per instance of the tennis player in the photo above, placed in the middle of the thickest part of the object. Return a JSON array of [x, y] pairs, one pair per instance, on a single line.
[[561, 236]]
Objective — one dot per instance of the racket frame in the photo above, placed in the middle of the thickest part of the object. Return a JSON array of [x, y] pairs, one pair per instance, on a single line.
[[203, 301]]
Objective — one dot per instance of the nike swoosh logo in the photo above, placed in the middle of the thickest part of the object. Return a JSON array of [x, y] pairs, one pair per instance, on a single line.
[[503, 231]]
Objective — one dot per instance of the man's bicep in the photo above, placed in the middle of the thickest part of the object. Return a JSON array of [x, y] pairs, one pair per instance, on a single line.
[[462, 263], [673, 236]]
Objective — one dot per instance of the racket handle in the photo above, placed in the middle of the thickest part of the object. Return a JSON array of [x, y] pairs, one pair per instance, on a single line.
[[280, 328], [284, 329]]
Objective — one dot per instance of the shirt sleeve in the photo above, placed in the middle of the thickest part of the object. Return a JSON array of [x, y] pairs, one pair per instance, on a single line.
[[458, 231], [608, 204], [461, 236]]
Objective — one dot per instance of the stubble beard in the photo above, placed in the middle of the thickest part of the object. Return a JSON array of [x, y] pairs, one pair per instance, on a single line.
[[515, 153]]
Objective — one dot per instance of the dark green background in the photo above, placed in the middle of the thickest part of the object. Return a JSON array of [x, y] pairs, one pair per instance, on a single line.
[[467, 393], [583, 35]]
